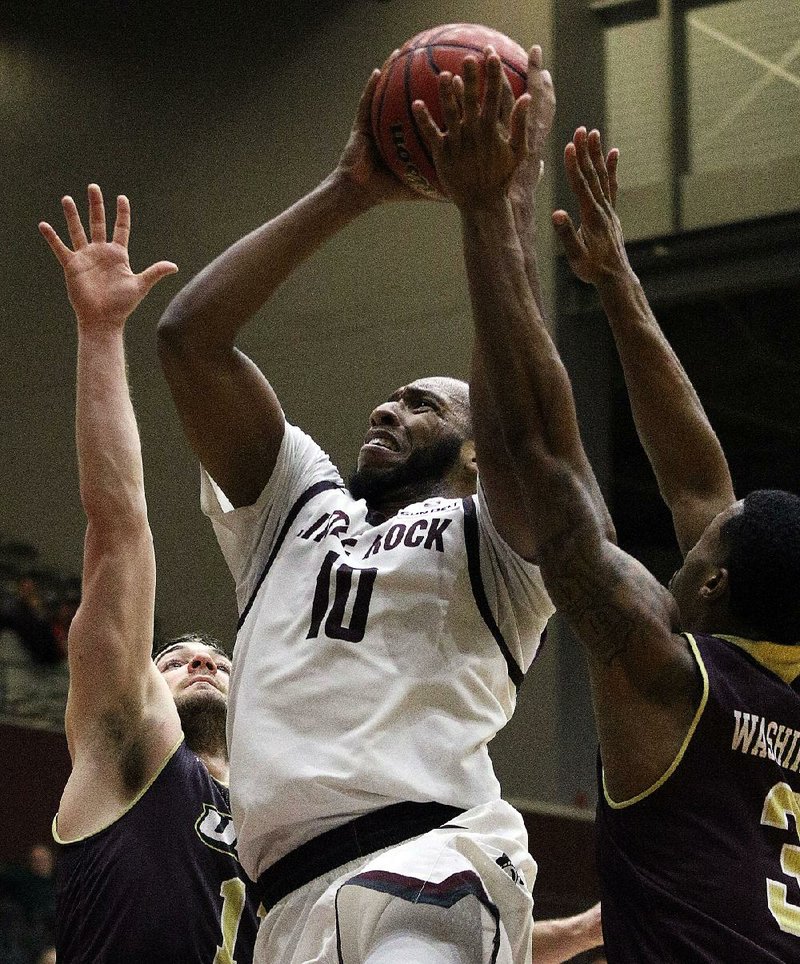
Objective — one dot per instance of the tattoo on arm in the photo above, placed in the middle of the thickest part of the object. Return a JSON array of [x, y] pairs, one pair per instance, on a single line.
[[589, 592]]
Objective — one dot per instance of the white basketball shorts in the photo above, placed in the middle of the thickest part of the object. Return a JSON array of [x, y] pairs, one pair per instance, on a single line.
[[460, 894]]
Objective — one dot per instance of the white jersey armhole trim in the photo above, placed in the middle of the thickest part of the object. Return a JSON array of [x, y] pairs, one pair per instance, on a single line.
[[619, 805], [486, 523], [130, 806]]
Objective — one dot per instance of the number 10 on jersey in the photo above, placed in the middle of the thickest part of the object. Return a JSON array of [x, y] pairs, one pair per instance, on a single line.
[[348, 582]]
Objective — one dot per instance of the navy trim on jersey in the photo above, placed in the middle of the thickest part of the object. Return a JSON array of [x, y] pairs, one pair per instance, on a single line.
[[447, 893], [360, 837], [307, 496], [472, 540]]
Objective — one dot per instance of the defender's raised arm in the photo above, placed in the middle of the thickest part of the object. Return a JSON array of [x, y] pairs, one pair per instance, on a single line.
[[683, 449], [640, 671], [113, 683]]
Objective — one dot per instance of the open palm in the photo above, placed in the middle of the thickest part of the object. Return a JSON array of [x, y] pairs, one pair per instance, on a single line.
[[101, 286]]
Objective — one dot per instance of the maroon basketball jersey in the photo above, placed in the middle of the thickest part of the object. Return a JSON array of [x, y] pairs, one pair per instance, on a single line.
[[706, 866], [160, 885]]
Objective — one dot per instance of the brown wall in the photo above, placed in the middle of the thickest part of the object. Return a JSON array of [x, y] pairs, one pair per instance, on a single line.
[[36, 768], [563, 847]]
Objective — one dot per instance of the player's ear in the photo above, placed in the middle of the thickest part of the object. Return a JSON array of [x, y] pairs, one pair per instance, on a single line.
[[468, 459], [715, 587]]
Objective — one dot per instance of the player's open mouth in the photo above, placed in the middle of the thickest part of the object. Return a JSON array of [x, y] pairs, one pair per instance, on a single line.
[[382, 440]]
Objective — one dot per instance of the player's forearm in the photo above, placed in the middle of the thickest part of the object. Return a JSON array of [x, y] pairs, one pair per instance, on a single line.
[[488, 431], [209, 311], [110, 637], [532, 415], [524, 375], [681, 445], [508, 334], [562, 939], [108, 447], [523, 207]]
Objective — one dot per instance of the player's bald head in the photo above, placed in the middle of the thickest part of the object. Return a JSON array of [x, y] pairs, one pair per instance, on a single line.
[[455, 392]]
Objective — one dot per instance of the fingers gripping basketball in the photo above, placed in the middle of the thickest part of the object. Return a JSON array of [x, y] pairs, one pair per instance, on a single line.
[[412, 73]]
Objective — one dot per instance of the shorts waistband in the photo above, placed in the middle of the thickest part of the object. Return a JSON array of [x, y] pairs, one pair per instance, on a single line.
[[359, 837]]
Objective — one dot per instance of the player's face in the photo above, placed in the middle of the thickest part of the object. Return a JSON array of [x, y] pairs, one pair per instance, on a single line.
[[691, 583], [414, 445], [195, 668], [417, 417]]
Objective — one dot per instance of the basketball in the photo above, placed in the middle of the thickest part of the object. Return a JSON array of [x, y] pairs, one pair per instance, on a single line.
[[412, 73]]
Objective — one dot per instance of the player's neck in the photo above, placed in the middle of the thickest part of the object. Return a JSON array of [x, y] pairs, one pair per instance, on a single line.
[[203, 724], [390, 503], [720, 622], [379, 512], [217, 765]]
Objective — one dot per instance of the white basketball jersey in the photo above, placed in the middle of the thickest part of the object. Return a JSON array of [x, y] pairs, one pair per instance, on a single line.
[[373, 663]]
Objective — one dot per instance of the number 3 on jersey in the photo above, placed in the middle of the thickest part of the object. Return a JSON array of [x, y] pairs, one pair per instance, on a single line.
[[781, 803], [344, 577]]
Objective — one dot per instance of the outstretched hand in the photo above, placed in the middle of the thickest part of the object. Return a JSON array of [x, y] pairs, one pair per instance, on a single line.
[[361, 163], [484, 141], [596, 250], [100, 284], [539, 123]]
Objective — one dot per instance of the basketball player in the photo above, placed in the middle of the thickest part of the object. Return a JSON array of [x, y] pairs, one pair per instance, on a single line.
[[384, 627], [147, 869], [695, 689]]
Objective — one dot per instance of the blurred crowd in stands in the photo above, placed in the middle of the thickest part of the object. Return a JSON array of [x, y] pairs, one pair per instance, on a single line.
[[27, 909], [36, 602]]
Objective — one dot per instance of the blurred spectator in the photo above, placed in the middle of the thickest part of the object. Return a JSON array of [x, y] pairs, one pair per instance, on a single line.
[[13, 931], [15, 557], [66, 607], [26, 613], [27, 907], [37, 604]]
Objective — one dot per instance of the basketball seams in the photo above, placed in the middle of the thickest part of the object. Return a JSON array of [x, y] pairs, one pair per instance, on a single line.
[[428, 47], [435, 35], [411, 74], [413, 121], [432, 36], [378, 115], [522, 74]]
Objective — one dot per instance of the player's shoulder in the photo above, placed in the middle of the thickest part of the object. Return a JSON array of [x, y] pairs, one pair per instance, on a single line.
[[298, 443], [302, 470]]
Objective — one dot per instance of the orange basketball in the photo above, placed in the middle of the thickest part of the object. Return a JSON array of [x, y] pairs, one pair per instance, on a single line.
[[411, 73]]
